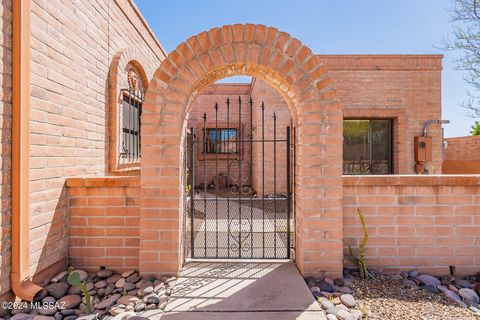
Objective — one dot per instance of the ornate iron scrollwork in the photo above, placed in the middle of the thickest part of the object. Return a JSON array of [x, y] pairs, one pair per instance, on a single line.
[[231, 220]]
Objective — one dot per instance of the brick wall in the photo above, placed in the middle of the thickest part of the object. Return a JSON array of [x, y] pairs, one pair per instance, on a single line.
[[462, 155], [405, 88], [5, 144], [73, 45], [260, 92], [205, 103], [104, 222], [274, 102], [463, 148], [70, 97], [258, 51], [425, 222]]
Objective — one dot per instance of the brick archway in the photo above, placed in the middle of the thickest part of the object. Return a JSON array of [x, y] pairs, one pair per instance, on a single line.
[[294, 71]]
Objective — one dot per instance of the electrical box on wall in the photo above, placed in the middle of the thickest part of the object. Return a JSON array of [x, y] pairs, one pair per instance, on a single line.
[[423, 149]]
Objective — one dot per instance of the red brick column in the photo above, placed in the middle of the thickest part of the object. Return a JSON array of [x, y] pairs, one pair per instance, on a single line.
[[303, 81]]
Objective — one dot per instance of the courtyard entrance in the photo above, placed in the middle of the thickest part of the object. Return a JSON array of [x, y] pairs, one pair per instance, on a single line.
[[238, 182], [302, 80]]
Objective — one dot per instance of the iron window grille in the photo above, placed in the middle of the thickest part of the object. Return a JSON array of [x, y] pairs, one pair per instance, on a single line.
[[221, 141], [131, 124], [367, 146]]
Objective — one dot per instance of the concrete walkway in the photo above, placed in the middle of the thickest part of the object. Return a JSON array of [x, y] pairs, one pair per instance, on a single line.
[[241, 290]]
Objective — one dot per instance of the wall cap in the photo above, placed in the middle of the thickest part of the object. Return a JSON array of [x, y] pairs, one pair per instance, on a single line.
[[400, 62], [118, 181], [464, 138], [412, 180]]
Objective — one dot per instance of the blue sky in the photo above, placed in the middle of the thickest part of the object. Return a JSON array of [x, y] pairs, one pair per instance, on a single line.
[[330, 27]]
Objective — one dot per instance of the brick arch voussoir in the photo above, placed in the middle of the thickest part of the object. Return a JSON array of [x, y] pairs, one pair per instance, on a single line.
[[191, 65], [248, 49], [132, 56], [152, 106]]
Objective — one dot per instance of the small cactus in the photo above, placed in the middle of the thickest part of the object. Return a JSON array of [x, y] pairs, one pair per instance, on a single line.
[[75, 280], [359, 260]]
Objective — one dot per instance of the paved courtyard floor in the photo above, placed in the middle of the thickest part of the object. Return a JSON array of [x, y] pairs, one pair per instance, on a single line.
[[241, 290], [239, 228]]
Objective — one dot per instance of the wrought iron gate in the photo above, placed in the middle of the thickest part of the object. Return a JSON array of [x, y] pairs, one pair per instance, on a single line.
[[238, 185]]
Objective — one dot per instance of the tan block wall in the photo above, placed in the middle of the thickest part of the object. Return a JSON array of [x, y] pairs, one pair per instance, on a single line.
[[5, 144], [104, 222], [424, 222], [462, 155], [73, 44], [405, 88]]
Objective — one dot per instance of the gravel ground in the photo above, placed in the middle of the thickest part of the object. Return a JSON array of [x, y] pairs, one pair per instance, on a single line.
[[390, 300]]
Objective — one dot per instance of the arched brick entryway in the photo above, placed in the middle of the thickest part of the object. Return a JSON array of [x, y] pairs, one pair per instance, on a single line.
[[296, 73]]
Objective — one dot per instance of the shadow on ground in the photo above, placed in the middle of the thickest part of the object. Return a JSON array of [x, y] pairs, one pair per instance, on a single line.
[[241, 290]]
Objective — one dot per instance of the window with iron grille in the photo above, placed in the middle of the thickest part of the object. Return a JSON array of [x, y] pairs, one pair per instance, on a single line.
[[131, 126], [221, 140], [367, 146]]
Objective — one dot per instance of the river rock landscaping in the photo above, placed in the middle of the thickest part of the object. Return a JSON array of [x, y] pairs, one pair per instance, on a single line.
[[408, 295], [113, 296]]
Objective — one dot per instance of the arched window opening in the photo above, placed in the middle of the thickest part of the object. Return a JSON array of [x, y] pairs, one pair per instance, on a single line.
[[132, 102]]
